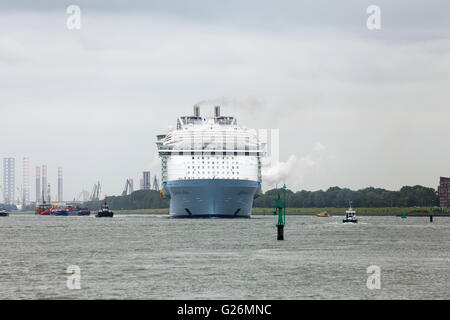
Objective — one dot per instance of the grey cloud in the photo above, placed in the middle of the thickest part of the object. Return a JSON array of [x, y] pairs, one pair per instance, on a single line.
[[376, 100], [408, 20]]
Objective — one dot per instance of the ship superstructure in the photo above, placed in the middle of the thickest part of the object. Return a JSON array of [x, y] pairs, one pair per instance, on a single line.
[[211, 166]]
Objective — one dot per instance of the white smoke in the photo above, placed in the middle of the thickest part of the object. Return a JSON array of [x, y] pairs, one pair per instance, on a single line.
[[293, 171], [238, 106]]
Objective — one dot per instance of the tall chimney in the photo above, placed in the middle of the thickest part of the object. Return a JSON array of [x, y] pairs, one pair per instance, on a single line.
[[26, 181], [38, 185], [44, 182], [196, 111], [217, 111], [60, 184]]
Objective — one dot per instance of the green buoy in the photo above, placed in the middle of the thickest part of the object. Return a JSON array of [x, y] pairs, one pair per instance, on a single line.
[[404, 215], [431, 214], [281, 211]]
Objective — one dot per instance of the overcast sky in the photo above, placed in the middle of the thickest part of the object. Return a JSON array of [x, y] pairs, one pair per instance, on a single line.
[[355, 107]]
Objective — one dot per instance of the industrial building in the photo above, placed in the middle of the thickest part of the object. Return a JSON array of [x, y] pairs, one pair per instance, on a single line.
[[444, 192], [147, 184], [9, 180], [26, 181]]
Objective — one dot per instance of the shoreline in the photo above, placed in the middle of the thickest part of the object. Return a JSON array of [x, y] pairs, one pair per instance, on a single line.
[[410, 212]]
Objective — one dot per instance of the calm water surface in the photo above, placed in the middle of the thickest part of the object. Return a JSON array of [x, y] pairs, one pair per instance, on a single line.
[[155, 257]]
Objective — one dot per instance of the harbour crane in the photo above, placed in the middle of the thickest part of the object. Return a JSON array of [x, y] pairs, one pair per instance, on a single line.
[[156, 184], [129, 188], [95, 194], [82, 196]]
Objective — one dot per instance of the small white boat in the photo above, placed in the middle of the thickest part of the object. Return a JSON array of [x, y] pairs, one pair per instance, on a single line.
[[4, 213], [350, 215]]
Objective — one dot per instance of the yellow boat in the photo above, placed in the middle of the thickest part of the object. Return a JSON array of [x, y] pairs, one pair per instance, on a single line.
[[323, 214]]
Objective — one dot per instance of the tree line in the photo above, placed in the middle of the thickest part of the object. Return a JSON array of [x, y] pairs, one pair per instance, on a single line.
[[339, 198], [8, 207], [141, 199], [333, 197]]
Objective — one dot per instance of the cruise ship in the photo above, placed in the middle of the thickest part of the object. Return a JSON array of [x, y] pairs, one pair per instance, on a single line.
[[211, 166]]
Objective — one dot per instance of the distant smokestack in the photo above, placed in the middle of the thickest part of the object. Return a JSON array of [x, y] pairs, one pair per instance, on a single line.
[[196, 111], [38, 185], [60, 184], [26, 181], [44, 182], [217, 111], [146, 181], [49, 192]]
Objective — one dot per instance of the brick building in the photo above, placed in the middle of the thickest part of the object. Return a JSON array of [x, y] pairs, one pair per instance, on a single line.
[[444, 192]]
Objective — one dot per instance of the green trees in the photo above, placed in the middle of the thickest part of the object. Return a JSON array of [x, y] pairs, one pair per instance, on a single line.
[[333, 197], [9, 207], [142, 199], [339, 198]]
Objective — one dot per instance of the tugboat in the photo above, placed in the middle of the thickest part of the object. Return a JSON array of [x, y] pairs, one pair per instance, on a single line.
[[104, 212], [350, 215], [4, 213]]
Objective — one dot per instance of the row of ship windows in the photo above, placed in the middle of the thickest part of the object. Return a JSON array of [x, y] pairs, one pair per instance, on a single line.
[[194, 178], [207, 158], [213, 172], [218, 162], [212, 167]]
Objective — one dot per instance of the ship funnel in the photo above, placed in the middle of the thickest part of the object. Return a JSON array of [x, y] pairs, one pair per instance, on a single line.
[[196, 111], [217, 111]]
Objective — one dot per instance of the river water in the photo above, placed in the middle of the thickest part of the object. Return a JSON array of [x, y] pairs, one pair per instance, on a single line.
[[155, 257]]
